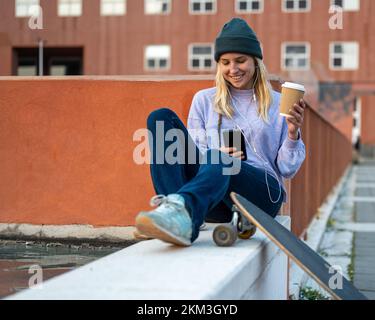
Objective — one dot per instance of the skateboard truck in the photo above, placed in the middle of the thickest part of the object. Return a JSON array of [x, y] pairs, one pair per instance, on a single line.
[[226, 234]]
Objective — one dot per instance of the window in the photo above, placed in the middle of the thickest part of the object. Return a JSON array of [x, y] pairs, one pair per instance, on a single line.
[[27, 70], [27, 66], [295, 56], [157, 6], [70, 8], [64, 66], [344, 55], [347, 5], [296, 5], [27, 8], [56, 61], [201, 57], [202, 6], [157, 57], [112, 7], [249, 6]]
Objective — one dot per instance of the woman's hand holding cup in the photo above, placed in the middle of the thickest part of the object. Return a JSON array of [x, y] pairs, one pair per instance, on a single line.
[[295, 121]]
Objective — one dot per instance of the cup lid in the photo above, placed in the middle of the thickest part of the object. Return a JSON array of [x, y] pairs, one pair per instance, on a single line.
[[292, 85]]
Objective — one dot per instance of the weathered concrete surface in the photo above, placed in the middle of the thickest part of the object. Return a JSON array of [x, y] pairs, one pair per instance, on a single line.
[[71, 233]]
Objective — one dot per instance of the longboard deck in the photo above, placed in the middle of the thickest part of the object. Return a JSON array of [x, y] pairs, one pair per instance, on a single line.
[[306, 258]]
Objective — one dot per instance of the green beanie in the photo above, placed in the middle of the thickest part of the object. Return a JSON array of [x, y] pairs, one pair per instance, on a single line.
[[237, 36]]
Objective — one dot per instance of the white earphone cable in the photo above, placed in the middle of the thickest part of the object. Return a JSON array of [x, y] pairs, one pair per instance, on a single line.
[[254, 148]]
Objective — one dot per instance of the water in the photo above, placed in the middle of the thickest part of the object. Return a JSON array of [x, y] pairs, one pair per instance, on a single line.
[[16, 258]]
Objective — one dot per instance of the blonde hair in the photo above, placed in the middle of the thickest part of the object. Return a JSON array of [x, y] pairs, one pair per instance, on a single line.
[[262, 88]]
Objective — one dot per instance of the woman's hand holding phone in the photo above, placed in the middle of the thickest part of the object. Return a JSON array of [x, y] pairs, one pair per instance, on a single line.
[[234, 144], [232, 152]]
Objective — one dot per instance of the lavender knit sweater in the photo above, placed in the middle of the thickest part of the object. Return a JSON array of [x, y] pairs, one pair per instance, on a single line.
[[275, 151]]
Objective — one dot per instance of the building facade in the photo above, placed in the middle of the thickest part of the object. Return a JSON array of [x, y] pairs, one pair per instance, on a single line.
[[325, 44]]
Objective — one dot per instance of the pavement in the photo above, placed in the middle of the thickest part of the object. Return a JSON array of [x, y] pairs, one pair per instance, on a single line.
[[364, 241], [348, 242]]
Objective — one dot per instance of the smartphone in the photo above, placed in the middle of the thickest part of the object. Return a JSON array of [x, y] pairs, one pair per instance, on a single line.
[[234, 138]]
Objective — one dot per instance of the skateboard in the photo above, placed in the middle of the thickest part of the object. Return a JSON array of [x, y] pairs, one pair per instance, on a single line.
[[306, 258]]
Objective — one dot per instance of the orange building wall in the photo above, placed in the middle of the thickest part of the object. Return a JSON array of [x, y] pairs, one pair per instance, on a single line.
[[66, 148]]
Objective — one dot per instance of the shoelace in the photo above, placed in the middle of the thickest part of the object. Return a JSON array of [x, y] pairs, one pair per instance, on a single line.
[[203, 227], [162, 199]]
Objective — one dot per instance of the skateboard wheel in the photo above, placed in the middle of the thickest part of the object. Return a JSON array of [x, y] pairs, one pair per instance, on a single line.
[[225, 235], [247, 234]]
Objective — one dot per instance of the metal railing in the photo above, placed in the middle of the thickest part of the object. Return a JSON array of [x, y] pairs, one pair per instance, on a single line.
[[328, 153]]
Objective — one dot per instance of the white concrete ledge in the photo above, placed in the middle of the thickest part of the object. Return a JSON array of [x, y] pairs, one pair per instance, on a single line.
[[251, 269]]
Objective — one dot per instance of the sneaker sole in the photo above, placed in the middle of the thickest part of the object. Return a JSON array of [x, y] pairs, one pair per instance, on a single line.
[[139, 236], [146, 226]]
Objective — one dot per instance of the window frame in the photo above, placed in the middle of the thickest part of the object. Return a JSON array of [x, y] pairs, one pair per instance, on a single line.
[[284, 55], [169, 3], [332, 55], [343, 7], [285, 10], [112, 14], [24, 3], [158, 69], [69, 3], [214, 10], [191, 55], [239, 11]]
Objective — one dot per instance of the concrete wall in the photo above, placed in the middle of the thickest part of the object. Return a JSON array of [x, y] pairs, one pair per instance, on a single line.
[[252, 269]]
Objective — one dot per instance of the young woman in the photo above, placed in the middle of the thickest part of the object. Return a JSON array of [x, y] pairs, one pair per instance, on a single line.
[[207, 170]]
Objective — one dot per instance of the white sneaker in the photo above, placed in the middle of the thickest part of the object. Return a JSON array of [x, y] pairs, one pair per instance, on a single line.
[[169, 222]]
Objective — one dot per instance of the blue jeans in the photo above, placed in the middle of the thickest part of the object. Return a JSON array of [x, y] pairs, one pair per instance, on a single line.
[[201, 182]]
